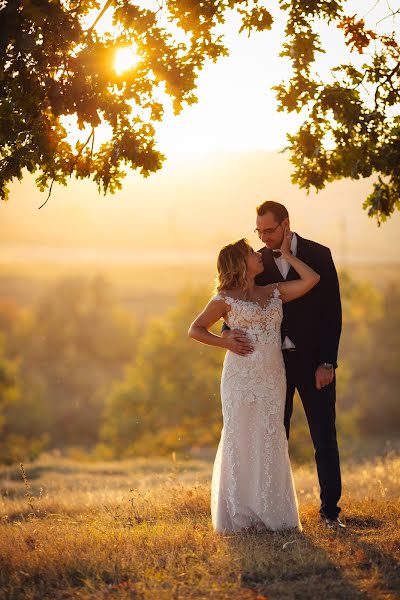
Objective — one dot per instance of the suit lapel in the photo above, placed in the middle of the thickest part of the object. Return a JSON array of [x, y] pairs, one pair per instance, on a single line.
[[301, 247], [301, 254]]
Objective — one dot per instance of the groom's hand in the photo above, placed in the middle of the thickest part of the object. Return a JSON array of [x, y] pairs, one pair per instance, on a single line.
[[237, 341], [323, 377]]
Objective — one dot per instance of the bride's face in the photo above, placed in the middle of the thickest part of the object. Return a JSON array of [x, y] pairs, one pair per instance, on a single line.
[[254, 263]]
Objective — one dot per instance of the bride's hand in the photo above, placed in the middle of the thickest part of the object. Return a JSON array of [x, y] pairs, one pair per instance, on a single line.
[[287, 239]]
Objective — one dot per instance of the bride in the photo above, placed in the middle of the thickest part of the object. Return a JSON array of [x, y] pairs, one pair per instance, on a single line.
[[252, 483]]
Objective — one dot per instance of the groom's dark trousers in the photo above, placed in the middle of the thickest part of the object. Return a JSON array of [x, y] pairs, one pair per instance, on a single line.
[[319, 406], [313, 324]]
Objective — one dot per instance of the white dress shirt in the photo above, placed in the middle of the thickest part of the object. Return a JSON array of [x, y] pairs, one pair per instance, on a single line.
[[284, 267]]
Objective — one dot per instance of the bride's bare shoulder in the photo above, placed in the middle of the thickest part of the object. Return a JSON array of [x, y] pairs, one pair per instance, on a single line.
[[228, 296], [271, 289], [236, 293]]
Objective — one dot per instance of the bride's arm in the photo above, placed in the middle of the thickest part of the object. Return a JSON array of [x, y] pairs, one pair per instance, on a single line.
[[199, 329], [290, 290]]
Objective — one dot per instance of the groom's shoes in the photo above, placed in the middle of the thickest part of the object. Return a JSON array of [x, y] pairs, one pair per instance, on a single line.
[[333, 523]]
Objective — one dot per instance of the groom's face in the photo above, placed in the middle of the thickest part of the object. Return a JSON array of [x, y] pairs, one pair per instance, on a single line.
[[270, 231]]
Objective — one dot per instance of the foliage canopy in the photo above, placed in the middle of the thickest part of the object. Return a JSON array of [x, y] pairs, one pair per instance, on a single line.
[[55, 64]]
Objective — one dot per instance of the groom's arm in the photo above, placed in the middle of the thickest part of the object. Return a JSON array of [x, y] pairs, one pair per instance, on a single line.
[[331, 311]]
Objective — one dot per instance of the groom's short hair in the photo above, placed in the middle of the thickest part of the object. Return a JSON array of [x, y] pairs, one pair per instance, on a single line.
[[278, 210]]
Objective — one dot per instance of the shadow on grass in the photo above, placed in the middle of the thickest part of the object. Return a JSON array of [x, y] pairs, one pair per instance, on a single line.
[[35, 472], [284, 566], [372, 558], [152, 467], [357, 563], [26, 515], [17, 493], [363, 522]]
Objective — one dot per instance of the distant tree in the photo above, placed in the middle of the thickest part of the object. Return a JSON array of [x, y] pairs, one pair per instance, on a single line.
[[81, 339], [9, 388], [169, 397], [380, 407], [54, 64], [370, 356], [28, 416], [14, 446]]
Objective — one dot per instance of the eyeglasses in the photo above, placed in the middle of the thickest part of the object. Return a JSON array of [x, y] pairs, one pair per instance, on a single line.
[[268, 231]]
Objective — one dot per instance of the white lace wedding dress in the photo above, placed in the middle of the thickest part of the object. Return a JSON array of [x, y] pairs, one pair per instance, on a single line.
[[252, 483]]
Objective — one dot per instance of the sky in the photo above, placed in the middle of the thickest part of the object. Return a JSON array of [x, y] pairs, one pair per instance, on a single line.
[[222, 160], [237, 109]]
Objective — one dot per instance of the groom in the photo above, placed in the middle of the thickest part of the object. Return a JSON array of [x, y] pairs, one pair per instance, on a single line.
[[311, 329]]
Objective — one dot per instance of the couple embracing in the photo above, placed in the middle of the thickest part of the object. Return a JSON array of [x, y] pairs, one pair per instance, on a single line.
[[282, 322]]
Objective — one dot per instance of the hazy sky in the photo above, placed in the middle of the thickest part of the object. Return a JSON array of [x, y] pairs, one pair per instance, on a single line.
[[198, 204], [237, 108], [221, 163]]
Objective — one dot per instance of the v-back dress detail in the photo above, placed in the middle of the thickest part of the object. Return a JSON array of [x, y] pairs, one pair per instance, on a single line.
[[252, 482]]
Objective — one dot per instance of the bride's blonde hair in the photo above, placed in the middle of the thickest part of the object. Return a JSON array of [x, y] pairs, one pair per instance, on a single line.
[[232, 266]]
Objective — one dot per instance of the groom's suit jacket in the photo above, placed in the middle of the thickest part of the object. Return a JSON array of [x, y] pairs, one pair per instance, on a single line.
[[314, 321]]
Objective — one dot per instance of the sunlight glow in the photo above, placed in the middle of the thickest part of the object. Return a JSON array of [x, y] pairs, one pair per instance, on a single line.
[[125, 59]]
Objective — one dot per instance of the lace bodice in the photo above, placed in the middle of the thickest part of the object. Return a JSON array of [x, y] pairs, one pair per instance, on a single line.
[[262, 323]]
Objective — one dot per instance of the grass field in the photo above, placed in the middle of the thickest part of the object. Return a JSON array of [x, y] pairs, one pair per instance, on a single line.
[[141, 529]]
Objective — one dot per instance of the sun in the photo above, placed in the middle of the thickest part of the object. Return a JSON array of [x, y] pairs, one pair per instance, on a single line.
[[125, 58]]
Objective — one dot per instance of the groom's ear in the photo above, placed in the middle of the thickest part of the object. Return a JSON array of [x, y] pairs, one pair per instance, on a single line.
[[286, 222]]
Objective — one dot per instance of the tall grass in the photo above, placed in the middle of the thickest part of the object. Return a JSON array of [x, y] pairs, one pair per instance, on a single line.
[[141, 529]]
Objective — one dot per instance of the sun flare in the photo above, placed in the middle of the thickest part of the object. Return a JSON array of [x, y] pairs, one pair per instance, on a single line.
[[125, 58]]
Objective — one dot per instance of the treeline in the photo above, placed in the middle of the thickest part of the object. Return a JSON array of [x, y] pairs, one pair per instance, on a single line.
[[58, 363], [78, 373]]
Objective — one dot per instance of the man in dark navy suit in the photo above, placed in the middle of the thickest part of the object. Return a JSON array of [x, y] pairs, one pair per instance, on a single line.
[[311, 330]]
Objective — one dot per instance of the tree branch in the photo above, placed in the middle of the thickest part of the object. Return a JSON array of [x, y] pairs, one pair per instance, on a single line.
[[49, 194], [392, 14], [81, 149], [101, 13]]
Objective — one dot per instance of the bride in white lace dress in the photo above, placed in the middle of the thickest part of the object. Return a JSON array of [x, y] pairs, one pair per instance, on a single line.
[[252, 483]]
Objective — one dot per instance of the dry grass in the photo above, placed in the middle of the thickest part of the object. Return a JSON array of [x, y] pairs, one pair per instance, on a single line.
[[141, 529]]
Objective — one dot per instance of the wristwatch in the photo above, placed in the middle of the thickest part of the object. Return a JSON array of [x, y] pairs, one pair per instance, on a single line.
[[326, 365]]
